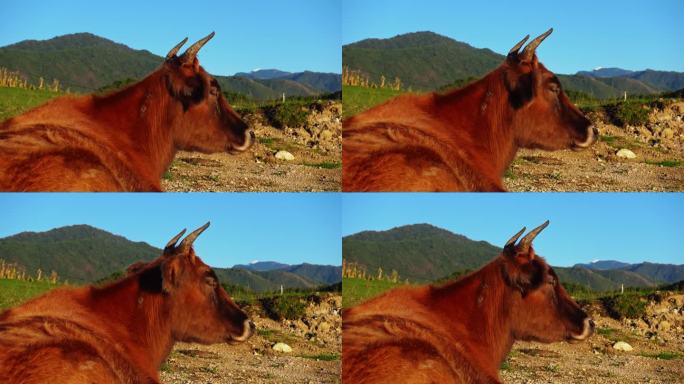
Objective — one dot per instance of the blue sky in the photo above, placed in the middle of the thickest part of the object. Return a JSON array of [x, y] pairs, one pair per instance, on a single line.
[[630, 227], [287, 227], [631, 34], [291, 35]]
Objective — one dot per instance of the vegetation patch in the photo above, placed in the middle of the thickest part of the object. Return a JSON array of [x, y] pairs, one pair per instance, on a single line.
[[627, 113], [16, 292], [666, 163], [323, 357], [283, 307], [663, 355], [15, 101], [358, 99], [624, 306], [325, 164], [357, 290]]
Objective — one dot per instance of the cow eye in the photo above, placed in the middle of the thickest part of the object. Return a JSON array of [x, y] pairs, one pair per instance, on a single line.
[[210, 281], [553, 87], [213, 91], [553, 281]]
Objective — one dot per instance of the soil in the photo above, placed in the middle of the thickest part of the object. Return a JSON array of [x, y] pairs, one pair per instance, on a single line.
[[658, 166], [316, 146], [657, 356], [315, 356]]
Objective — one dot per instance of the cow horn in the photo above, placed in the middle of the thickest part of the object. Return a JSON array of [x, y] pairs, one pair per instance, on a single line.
[[515, 237], [171, 245], [191, 52], [524, 244], [174, 50], [516, 48], [187, 242], [528, 52]]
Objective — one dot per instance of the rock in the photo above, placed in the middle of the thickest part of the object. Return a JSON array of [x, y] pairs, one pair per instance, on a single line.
[[282, 347], [622, 346], [667, 133], [284, 155], [325, 135], [664, 325], [324, 326], [624, 152]]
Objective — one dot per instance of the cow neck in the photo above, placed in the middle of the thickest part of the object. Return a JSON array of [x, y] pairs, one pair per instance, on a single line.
[[478, 305], [481, 111], [139, 318], [144, 117]]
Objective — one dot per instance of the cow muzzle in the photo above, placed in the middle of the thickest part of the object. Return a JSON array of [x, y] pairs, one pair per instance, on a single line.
[[587, 330], [250, 138], [248, 328], [592, 136]]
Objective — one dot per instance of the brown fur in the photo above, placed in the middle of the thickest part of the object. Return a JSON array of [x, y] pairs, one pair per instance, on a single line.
[[123, 141], [121, 332], [462, 140], [459, 332]]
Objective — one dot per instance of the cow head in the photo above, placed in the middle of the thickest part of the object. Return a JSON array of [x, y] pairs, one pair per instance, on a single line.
[[204, 122], [198, 307], [541, 309], [544, 117]]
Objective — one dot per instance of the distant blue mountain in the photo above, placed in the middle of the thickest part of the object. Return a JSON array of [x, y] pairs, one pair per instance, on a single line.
[[601, 265], [262, 266], [264, 74], [606, 72]]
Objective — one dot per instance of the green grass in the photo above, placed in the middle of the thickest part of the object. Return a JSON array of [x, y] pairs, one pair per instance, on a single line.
[[15, 101], [323, 357], [358, 99], [666, 163], [325, 165], [15, 292], [663, 355], [355, 291]]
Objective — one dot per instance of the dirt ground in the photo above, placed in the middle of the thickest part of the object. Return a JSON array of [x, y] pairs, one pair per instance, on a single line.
[[657, 356], [316, 147], [658, 165], [315, 358]]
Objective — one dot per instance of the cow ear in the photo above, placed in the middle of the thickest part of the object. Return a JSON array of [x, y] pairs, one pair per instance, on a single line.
[[186, 89], [171, 269], [519, 85]]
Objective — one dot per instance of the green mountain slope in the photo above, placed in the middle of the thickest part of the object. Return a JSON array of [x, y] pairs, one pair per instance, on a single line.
[[419, 252], [78, 253], [422, 60], [427, 61], [84, 62], [84, 254], [424, 253]]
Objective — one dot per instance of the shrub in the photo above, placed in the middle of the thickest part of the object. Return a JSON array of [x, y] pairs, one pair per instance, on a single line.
[[626, 305], [628, 112], [288, 114], [283, 307]]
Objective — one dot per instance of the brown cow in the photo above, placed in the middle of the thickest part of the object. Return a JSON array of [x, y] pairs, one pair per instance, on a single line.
[[123, 141], [460, 332], [465, 139], [121, 332]]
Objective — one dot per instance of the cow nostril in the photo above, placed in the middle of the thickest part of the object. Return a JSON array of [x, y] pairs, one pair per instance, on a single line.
[[252, 326], [592, 325]]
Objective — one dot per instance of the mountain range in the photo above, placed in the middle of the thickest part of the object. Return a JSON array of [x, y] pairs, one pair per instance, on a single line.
[[427, 61], [85, 254], [424, 253], [83, 62]]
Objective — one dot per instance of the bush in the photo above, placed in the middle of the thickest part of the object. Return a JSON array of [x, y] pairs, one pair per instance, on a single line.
[[628, 112], [626, 305], [283, 307], [288, 114]]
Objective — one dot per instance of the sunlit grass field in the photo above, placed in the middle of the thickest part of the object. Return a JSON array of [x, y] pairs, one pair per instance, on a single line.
[[358, 99], [14, 101]]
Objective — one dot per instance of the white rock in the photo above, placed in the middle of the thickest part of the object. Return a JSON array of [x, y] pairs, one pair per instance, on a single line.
[[284, 155], [282, 347], [622, 346], [626, 153]]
